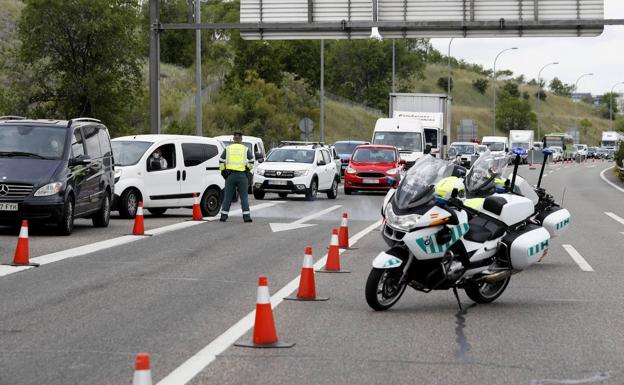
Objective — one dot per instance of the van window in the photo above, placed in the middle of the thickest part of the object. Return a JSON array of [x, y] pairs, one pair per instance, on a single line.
[[77, 147], [162, 158], [197, 153], [431, 137], [105, 144], [93, 144]]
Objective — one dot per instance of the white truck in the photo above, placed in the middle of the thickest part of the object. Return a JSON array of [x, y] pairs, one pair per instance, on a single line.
[[496, 144], [430, 110], [610, 139], [406, 134], [522, 139]]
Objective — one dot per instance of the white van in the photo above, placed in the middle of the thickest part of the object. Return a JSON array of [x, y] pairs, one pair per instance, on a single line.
[[406, 134], [186, 165], [496, 144]]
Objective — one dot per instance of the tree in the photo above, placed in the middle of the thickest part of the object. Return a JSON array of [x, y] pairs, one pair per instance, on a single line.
[[83, 57], [559, 88], [512, 89], [541, 94], [520, 79], [480, 85], [514, 114], [605, 105], [443, 83], [525, 95]]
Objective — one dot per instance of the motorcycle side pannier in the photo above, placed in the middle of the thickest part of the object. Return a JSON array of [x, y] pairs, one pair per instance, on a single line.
[[555, 220], [525, 247]]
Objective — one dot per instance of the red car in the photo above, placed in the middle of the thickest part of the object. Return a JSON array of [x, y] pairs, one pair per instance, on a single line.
[[373, 168]]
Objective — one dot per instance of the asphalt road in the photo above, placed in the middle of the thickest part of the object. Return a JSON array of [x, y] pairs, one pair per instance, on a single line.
[[82, 320]]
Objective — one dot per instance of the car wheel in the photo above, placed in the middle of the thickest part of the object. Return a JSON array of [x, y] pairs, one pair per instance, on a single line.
[[129, 203], [102, 217], [66, 224], [282, 195], [333, 193], [258, 194], [210, 203], [312, 191], [157, 211], [348, 191]]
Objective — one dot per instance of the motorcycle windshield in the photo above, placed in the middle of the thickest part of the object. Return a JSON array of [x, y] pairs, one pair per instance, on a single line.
[[417, 186], [485, 170]]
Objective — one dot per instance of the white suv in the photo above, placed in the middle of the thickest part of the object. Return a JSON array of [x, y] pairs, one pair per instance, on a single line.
[[186, 165], [299, 169]]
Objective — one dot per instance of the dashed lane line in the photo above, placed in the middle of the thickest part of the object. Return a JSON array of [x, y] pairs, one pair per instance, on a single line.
[[194, 365], [114, 242], [578, 258], [608, 181], [615, 217]]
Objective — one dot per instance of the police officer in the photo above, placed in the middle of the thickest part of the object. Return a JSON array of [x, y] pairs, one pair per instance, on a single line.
[[236, 161]]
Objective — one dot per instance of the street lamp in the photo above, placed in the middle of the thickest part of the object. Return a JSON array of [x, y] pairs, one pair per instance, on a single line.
[[611, 106], [576, 104], [539, 95], [494, 86]]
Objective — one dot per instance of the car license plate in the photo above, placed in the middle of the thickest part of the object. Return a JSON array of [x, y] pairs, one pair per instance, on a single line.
[[371, 181], [279, 182], [8, 206]]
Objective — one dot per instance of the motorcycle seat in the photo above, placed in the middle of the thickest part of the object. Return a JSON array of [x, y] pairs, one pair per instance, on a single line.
[[482, 230]]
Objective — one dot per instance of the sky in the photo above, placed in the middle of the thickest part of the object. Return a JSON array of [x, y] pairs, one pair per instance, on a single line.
[[602, 55]]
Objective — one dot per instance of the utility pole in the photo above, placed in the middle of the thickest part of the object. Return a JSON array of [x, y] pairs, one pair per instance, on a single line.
[[494, 87], [322, 96], [393, 65], [539, 95], [154, 66], [576, 114], [611, 106], [198, 73]]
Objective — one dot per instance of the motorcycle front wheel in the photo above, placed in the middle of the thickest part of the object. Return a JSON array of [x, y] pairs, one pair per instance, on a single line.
[[383, 289], [487, 292]]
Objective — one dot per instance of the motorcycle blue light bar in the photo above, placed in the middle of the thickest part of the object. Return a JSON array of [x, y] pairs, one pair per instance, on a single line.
[[519, 151]]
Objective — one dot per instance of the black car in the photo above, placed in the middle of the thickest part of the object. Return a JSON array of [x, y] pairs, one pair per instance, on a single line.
[[53, 171]]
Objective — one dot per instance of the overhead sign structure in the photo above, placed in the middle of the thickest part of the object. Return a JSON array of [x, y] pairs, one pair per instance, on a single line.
[[353, 19]]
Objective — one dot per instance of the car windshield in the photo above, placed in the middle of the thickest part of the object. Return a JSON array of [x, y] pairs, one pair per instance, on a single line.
[[488, 167], [346, 148], [462, 149], [417, 186], [128, 152], [403, 141], [39, 142], [495, 146], [380, 155], [291, 155], [522, 145]]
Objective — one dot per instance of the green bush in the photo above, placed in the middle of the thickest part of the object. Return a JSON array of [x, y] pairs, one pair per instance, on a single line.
[[619, 160]]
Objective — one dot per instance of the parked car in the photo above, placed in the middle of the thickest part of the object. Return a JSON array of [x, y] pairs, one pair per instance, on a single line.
[[186, 165], [253, 143], [373, 167], [557, 153], [580, 151], [345, 149], [465, 152], [591, 152], [481, 148], [54, 171], [297, 169], [605, 153]]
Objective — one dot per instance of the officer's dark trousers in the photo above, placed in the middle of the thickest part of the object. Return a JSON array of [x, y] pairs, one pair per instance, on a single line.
[[236, 181]]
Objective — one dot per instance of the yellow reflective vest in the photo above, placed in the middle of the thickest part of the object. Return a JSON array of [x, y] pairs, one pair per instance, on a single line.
[[235, 158]]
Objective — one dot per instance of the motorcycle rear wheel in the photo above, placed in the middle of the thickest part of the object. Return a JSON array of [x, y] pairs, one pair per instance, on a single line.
[[382, 288], [487, 292]]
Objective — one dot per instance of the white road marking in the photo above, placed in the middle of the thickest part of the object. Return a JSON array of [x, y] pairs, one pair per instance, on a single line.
[[299, 223], [608, 181], [615, 217], [194, 365], [578, 258], [114, 242]]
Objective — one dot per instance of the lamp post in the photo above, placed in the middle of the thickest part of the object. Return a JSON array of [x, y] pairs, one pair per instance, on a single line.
[[539, 95], [494, 86], [576, 104], [448, 98], [611, 106]]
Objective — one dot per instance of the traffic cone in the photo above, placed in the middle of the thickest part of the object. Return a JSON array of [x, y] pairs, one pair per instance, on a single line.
[[307, 287], [139, 226], [264, 335], [197, 214], [333, 256], [142, 372], [343, 235], [21, 251]]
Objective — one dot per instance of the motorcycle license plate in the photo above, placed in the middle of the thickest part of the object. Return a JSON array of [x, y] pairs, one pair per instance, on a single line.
[[8, 206], [279, 182], [371, 181]]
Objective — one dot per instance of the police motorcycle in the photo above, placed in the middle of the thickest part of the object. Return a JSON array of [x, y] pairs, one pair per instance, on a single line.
[[440, 244]]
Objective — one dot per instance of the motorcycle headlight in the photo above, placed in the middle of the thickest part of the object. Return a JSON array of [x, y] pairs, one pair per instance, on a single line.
[[350, 170], [301, 173], [405, 222], [49, 189], [260, 171]]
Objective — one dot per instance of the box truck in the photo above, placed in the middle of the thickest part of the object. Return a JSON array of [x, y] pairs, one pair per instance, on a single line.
[[521, 139]]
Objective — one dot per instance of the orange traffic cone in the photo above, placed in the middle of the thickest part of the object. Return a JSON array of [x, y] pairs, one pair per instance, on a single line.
[[307, 286], [197, 214], [264, 335], [142, 372], [333, 256], [21, 251], [343, 235], [139, 226]]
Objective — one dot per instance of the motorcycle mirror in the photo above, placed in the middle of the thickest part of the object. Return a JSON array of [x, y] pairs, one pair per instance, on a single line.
[[454, 193]]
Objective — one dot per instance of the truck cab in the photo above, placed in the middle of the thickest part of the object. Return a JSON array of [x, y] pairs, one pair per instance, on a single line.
[[406, 134], [496, 144]]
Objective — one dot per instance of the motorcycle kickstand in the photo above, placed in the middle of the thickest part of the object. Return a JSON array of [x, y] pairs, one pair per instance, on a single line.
[[457, 297]]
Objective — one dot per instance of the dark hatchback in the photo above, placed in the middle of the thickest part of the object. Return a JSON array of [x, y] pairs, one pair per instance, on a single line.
[[345, 149], [53, 171]]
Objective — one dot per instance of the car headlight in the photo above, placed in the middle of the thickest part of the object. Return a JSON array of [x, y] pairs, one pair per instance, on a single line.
[[49, 189], [300, 173], [393, 171], [405, 222], [117, 174], [260, 171], [350, 170]]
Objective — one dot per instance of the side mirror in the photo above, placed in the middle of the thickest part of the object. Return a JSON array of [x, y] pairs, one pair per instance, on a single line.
[[564, 147], [260, 160], [258, 155], [82, 160], [427, 149], [444, 140], [336, 157], [402, 161], [321, 162], [506, 149]]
